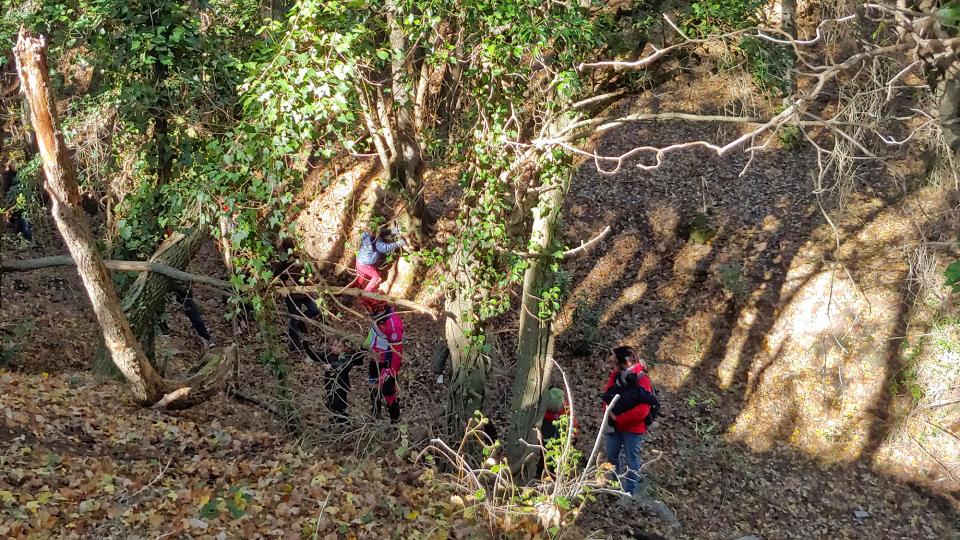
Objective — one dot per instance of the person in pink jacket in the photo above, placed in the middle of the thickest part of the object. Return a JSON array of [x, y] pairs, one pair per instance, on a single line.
[[385, 341]]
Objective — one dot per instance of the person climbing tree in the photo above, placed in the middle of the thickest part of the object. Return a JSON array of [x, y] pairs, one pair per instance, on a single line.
[[373, 246], [290, 271], [338, 361], [385, 341], [625, 437]]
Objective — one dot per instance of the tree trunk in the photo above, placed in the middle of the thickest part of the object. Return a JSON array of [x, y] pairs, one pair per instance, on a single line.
[[161, 137], [61, 183], [146, 299], [788, 15], [469, 364], [407, 166], [535, 347], [947, 93]]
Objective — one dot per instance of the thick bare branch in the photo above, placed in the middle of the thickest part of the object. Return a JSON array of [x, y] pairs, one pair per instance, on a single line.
[[126, 266]]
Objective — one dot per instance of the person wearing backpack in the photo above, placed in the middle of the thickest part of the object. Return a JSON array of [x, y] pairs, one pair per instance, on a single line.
[[385, 341], [629, 415], [338, 360], [290, 270]]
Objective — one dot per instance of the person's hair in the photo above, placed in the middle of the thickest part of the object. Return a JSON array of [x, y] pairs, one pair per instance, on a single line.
[[375, 308], [624, 354]]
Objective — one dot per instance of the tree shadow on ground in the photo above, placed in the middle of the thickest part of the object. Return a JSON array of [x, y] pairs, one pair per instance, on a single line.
[[738, 324]]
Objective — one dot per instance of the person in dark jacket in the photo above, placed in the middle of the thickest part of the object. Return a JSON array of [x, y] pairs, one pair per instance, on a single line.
[[338, 361], [183, 295], [624, 441], [290, 271]]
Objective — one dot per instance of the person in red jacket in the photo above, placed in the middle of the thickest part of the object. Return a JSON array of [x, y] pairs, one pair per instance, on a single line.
[[385, 341], [623, 442], [556, 409]]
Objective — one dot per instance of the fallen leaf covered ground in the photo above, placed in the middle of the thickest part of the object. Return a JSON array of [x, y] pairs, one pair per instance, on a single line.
[[80, 460]]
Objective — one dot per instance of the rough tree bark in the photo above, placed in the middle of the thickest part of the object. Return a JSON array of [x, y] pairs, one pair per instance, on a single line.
[[146, 299], [535, 347], [407, 166], [61, 184], [788, 15], [470, 367]]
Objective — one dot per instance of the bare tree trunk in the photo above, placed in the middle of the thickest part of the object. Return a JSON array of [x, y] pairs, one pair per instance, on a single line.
[[61, 184], [145, 383], [788, 16], [947, 93], [450, 95], [535, 347]]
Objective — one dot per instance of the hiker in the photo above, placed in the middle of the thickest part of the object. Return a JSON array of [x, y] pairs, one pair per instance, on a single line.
[[289, 270], [631, 394], [370, 256], [12, 189], [556, 409], [385, 340], [556, 402], [338, 361], [183, 295], [626, 434]]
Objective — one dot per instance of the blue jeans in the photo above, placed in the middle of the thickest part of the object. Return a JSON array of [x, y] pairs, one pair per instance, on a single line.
[[629, 444]]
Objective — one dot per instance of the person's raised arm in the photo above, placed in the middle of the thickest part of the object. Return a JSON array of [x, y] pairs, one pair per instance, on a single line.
[[387, 247]]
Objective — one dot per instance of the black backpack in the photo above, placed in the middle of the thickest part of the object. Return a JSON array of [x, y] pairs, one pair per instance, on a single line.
[[654, 409]]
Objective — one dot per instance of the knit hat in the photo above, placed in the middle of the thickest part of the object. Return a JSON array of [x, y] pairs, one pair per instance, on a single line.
[[554, 399]]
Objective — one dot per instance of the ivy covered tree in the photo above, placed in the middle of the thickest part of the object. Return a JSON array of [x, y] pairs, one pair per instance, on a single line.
[[221, 111]]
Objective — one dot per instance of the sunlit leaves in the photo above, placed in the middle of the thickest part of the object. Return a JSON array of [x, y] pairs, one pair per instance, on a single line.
[[953, 276]]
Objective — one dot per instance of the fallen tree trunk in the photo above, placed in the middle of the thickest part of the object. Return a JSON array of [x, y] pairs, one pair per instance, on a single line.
[[28, 265], [221, 285], [145, 383]]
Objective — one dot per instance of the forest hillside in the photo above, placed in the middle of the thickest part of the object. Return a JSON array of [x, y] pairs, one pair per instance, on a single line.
[[348, 269]]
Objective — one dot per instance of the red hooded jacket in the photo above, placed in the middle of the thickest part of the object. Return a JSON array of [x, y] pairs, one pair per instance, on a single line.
[[632, 421]]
